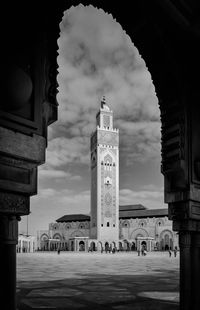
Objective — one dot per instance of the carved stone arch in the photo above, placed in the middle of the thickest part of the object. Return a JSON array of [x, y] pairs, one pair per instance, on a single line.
[[125, 224], [44, 237], [55, 226], [139, 231], [77, 233], [165, 232], [81, 226], [108, 159], [93, 242], [57, 236], [166, 240], [159, 222], [142, 223], [67, 225], [166, 36]]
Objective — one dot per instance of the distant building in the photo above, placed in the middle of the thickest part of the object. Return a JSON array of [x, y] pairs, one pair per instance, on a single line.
[[26, 244], [137, 226], [110, 225]]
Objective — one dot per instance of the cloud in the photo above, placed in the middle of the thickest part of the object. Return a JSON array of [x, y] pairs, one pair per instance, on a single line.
[[139, 141], [62, 151], [64, 200], [51, 173], [46, 193], [152, 198]]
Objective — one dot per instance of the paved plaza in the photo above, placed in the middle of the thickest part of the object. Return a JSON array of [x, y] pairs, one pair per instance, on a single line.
[[119, 281]]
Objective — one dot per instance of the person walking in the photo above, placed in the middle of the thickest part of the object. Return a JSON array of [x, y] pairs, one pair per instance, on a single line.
[[175, 251], [170, 253]]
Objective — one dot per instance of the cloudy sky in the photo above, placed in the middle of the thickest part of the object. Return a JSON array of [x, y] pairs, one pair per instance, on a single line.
[[96, 58]]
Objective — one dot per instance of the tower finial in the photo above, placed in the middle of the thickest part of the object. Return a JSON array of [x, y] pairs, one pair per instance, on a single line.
[[103, 101]]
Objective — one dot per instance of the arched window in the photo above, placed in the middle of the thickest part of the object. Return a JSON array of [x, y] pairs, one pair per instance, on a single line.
[[142, 223], [125, 224], [160, 222]]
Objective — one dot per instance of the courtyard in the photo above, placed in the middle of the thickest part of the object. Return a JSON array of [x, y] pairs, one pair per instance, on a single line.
[[120, 281]]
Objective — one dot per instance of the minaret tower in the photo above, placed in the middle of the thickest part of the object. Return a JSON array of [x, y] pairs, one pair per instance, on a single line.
[[105, 178]]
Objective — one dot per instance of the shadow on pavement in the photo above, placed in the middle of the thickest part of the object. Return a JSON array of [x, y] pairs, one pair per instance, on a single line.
[[158, 290]]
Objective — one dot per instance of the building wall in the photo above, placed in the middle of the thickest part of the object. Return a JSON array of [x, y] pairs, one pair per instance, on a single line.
[[62, 232], [157, 230], [26, 244], [160, 229]]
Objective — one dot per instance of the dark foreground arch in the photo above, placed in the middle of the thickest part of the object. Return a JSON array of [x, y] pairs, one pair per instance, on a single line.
[[166, 34]]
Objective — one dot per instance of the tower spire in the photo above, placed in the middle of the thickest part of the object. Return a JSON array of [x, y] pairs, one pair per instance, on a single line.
[[103, 101], [104, 105]]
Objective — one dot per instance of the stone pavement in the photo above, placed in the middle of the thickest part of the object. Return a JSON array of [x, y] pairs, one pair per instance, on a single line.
[[94, 281]]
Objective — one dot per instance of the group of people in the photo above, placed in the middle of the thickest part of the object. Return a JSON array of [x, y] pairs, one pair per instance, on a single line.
[[175, 252], [143, 250]]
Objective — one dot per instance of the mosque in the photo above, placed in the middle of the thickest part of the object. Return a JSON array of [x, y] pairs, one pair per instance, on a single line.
[[125, 228]]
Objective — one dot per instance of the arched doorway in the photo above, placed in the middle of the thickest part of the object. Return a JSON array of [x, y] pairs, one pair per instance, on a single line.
[[120, 246], [81, 246], [180, 96], [72, 245], [166, 242], [92, 246], [107, 247], [133, 246], [144, 245]]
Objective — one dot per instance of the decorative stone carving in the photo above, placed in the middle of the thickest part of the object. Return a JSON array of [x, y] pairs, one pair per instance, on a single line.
[[108, 137], [14, 203]]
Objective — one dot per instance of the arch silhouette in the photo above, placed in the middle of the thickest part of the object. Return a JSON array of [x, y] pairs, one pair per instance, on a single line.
[[77, 233], [167, 37], [57, 236], [44, 237], [166, 231], [139, 231]]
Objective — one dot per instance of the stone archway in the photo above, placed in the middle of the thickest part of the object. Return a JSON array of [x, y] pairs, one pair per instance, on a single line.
[[139, 232], [167, 36], [92, 247], [81, 246], [166, 240], [133, 246], [107, 247], [120, 246]]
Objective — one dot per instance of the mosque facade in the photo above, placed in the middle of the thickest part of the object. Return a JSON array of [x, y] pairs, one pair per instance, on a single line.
[[125, 228]]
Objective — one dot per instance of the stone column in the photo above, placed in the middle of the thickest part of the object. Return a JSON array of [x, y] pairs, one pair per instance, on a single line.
[[8, 242], [189, 270], [181, 169]]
